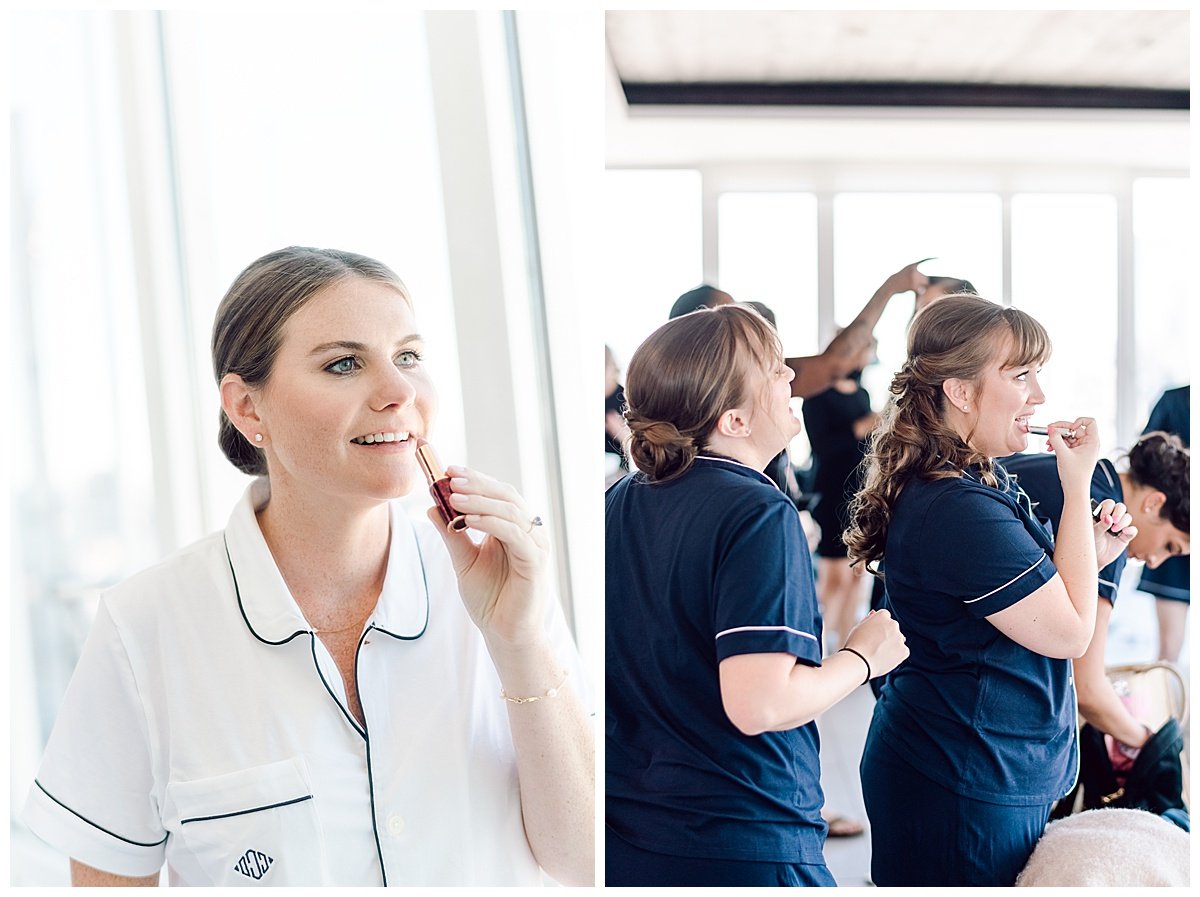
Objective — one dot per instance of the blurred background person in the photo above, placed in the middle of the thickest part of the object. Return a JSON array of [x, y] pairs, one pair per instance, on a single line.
[[838, 422], [615, 431], [938, 286], [1170, 581]]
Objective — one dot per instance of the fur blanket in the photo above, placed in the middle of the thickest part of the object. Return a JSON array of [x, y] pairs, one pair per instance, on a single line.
[[1116, 848]]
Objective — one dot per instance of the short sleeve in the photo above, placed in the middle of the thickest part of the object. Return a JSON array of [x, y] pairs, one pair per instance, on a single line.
[[1105, 484], [1110, 578], [976, 547], [93, 797], [764, 599]]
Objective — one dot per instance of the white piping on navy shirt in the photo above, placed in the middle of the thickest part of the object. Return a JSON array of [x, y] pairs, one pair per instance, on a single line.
[[1103, 467], [765, 629], [1007, 584], [739, 464], [754, 628]]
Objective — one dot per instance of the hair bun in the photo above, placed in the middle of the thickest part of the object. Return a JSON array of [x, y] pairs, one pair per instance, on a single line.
[[657, 447]]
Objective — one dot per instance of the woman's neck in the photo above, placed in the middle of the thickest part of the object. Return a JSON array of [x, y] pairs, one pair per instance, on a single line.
[[332, 555], [1130, 491], [740, 450]]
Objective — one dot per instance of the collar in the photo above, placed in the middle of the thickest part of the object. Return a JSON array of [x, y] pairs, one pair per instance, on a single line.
[[268, 608], [736, 467]]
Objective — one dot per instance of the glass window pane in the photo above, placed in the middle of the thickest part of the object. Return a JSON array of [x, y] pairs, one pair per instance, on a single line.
[[768, 253], [1162, 245], [1064, 256], [651, 251], [276, 151], [81, 479], [876, 234]]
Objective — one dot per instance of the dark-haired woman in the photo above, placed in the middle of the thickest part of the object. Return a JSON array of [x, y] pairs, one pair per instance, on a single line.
[[973, 738], [1170, 582], [1154, 491], [327, 692], [713, 639]]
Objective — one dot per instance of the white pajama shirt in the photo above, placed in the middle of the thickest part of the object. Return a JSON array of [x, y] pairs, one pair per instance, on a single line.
[[207, 727]]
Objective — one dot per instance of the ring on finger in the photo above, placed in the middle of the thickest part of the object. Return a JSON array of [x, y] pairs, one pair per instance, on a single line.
[[534, 521]]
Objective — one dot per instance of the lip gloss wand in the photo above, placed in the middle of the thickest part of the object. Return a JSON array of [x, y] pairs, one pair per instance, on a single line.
[[1044, 431]]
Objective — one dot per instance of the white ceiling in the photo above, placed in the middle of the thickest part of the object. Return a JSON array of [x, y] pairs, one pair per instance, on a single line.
[[1090, 48], [1071, 48]]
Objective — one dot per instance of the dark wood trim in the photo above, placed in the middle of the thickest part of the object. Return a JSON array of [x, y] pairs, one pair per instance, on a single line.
[[898, 93]]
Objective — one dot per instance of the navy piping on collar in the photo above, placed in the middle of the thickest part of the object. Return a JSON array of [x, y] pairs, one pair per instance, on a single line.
[[424, 581], [95, 825], [762, 476], [238, 593]]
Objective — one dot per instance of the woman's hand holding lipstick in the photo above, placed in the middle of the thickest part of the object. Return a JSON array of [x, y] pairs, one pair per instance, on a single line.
[[503, 578], [1077, 454]]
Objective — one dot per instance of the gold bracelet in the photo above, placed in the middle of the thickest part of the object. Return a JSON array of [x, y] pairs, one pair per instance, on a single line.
[[550, 693]]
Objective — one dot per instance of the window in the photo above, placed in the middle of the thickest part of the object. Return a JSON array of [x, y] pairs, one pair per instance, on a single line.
[[876, 234], [1065, 275], [650, 254], [768, 253], [1163, 245]]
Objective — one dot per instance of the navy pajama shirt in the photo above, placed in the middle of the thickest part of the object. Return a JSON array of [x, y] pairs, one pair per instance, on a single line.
[[704, 567], [1037, 475], [973, 737]]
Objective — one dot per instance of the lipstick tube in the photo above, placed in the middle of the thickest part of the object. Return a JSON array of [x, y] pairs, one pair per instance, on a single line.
[[439, 487]]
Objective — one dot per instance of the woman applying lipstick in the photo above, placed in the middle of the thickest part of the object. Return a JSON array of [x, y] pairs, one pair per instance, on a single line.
[[326, 693], [973, 738]]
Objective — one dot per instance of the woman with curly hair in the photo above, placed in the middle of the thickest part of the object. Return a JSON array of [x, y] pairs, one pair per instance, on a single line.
[[973, 738], [713, 638]]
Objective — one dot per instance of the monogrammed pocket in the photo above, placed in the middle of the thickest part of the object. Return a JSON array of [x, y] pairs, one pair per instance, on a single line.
[[256, 826]]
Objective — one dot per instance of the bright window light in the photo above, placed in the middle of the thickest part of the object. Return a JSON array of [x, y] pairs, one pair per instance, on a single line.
[[1163, 246], [651, 251], [768, 253], [876, 234], [1064, 256]]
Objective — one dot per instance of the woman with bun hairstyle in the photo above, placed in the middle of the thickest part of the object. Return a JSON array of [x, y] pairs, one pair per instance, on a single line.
[[1154, 491], [327, 692], [713, 638], [973, 738]]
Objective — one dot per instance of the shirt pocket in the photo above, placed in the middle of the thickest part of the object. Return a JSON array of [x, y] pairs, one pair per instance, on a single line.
[[255, 826]]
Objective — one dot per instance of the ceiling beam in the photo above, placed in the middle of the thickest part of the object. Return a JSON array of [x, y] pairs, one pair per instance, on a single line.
[[900, 93]]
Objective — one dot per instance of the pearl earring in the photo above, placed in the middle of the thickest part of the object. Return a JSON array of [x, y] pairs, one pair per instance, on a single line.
[[964, 407], [258, 437]]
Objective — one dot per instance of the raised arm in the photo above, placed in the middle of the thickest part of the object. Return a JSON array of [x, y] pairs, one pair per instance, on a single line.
[[1059, 618], [816, 373]]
